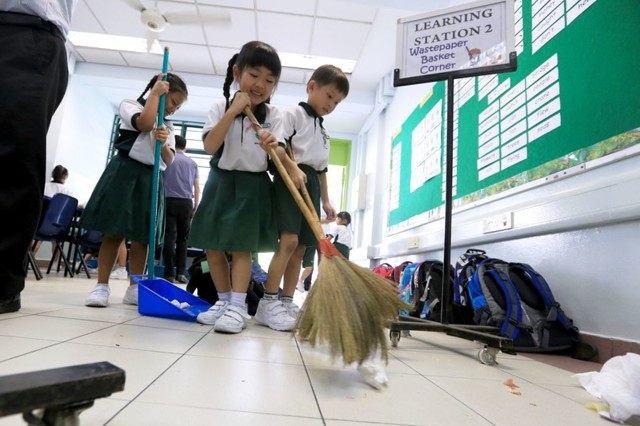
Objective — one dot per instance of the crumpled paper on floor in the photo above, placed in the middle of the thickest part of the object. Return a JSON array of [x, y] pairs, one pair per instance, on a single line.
[[618, 384]]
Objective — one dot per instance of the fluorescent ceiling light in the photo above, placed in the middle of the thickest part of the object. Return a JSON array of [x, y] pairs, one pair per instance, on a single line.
[[295, 60], [114, 42]]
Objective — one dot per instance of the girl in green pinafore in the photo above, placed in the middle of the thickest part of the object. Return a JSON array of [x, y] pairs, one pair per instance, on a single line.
[[119, 206], [235, 216]]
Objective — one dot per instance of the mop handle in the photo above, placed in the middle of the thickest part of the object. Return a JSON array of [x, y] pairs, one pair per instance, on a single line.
[[313, 221], [156, 172]]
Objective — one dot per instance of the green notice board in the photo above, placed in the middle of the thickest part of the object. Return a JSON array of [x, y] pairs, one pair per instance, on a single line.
[[574, 97]]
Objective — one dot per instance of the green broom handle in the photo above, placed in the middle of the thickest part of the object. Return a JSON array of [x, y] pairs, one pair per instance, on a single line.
[[156, 176], [313, 221]]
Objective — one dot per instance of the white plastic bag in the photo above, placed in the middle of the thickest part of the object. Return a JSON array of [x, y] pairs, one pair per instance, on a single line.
[[618, 384]]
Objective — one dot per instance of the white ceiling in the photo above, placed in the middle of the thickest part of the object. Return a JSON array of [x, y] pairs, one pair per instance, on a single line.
[[363, 30]]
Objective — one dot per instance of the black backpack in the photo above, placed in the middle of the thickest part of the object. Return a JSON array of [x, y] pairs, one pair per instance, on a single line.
[[427, 290], [201, 284]]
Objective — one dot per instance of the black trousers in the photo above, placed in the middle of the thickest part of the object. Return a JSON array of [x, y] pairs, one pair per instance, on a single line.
[[33, 77], [178, 213]]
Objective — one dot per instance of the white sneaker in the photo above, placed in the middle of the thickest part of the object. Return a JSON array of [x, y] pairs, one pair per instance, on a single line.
[[93, 271], [273, 314], [131, 295], [292, 309], [99, 296], [213, 314], [119, 274], [300, 286], [233, 320]]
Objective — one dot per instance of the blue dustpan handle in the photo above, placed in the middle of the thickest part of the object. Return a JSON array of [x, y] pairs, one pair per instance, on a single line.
[[156, 173]]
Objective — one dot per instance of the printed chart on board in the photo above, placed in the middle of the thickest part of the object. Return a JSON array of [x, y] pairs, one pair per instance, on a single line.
[[573, 98]]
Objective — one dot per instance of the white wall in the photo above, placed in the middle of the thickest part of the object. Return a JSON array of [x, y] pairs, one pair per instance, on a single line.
[[79, 136], [581, 232]]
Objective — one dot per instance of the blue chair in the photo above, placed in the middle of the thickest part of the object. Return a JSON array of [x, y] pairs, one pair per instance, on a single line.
[[56, 227], [88, 240]]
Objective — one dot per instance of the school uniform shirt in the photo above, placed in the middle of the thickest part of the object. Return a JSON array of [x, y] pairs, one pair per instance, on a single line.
[[241, 150], [342, 234], [309, 140], [53, 188], [142, 149]]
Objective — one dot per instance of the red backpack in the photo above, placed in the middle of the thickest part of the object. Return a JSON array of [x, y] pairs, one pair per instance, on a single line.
[[385, 270]]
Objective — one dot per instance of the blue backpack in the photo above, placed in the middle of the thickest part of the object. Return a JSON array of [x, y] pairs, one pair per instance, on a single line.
[[517, 300]]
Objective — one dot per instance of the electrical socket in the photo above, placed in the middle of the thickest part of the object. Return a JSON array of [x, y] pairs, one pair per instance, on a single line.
[[497, 223], [414, 243]]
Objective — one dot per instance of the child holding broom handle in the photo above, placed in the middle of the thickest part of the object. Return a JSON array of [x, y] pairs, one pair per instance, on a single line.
[[308, 143], [119, 204], [236, 213]]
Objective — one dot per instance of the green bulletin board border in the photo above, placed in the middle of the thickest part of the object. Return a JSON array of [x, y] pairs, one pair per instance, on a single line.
[[597, 155]]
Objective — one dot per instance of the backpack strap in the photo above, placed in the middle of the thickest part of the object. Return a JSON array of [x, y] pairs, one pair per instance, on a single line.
[[513, 309], [464, 270]]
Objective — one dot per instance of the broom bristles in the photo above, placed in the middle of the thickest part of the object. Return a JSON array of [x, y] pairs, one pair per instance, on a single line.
[[348, 309]]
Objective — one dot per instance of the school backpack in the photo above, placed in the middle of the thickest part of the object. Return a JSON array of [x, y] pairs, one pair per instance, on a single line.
[[517, 300], [404, 283], [201, 284], [398, 270], [385, 270], [427, 291], [464, 269]]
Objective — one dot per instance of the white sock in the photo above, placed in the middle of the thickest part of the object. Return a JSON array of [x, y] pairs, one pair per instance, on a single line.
[[238, 299], [225, 297]]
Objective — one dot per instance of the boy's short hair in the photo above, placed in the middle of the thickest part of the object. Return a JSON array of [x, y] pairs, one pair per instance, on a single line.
[[330, 74], [345, 216], [181, 142]]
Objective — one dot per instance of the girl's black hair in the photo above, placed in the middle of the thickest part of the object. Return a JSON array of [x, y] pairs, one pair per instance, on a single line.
[[345, 216], [175, 85], [330, 74], [58, 173], [253, 54]]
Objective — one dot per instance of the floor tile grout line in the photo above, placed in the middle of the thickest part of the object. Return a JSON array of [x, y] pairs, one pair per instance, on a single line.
[[156, 378], [306, 371]]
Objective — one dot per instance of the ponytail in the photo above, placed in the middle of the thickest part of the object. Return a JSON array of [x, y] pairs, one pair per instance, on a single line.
[[176, 84], [228, 80]]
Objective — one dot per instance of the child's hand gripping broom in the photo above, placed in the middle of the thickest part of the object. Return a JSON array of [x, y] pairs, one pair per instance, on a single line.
[[349, 306]]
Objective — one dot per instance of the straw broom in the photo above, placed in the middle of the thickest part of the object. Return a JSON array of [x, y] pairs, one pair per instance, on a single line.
[[349, 307]]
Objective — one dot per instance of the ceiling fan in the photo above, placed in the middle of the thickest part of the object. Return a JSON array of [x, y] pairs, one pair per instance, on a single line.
[[156, 21]]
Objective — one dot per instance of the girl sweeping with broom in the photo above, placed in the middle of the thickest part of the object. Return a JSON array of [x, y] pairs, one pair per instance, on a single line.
[[308, 142], [236, 214]]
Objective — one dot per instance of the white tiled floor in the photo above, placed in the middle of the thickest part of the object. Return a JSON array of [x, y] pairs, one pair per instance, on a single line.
[[179, 373]]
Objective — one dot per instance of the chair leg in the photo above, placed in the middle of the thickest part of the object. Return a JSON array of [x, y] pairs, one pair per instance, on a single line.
[[31, 261]]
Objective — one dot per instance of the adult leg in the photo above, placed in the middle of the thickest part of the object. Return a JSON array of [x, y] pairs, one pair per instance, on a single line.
[[170, 234], [33, 65], [183, 226]]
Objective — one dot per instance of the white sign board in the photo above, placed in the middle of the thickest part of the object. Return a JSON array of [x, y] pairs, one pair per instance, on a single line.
[[463, 39]]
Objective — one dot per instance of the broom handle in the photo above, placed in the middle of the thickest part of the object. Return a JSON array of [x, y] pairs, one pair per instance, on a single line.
[[313, 221]]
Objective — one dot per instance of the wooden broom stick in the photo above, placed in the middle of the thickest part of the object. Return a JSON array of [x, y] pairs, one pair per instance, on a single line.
[[307, 208]]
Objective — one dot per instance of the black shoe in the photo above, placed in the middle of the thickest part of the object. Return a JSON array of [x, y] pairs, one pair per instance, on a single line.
[[182, 279], [11, 304]]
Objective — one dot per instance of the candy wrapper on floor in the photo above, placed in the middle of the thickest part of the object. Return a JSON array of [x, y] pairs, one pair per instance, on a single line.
[[618, 384]]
